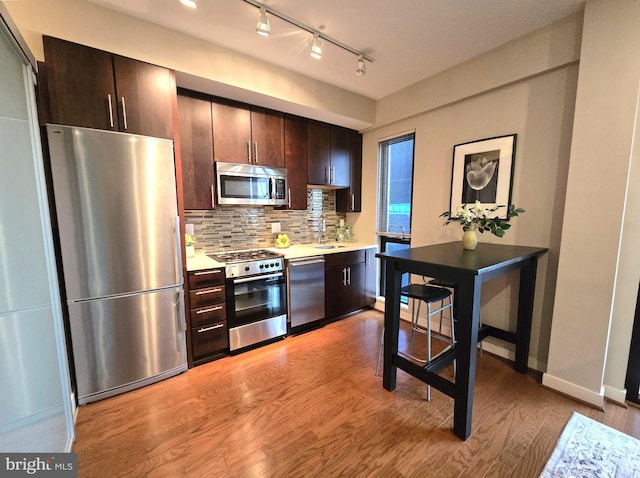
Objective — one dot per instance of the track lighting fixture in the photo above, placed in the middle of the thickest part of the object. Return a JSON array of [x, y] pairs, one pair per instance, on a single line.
[[189, 3], [316, 47], [361, 68], [263, 28]]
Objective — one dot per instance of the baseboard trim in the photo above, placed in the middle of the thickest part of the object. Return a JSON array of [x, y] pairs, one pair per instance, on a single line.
[[619, 397], [574, 391]]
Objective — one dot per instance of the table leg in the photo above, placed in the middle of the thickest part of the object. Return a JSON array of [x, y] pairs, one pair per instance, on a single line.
[[525, 314], [391, 324], [468, 309]]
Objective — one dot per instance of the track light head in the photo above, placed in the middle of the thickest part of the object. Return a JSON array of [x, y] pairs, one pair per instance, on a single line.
[[263, 28], [316, 47], [189, 3], [361, 68]]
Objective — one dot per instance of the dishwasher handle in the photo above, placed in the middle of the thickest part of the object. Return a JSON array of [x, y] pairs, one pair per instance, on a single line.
[[306, 262]]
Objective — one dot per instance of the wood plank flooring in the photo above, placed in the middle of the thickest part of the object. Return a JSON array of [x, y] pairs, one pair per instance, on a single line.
[[311, 406]]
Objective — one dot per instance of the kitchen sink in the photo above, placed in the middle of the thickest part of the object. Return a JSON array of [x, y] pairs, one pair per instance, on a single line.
[[328, 246]]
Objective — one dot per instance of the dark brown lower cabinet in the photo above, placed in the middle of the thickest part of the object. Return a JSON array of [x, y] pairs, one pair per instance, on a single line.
[[345, 278], [208, 334]]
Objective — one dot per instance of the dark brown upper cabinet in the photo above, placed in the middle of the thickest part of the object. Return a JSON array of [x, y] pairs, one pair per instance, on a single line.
[[350, 199], [329, 155], [295, 158], [196, 149], [247, 134], [97, 89]]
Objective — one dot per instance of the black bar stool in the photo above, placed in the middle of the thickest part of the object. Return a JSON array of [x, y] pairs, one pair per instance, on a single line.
[[438, 299], [451, 285]]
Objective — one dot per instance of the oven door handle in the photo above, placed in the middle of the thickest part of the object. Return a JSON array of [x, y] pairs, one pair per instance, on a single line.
[[255, 278]]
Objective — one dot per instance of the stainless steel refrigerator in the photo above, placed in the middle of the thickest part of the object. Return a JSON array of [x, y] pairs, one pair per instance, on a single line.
[[116, 208]]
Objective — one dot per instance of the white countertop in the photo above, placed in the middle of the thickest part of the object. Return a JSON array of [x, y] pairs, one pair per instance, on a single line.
[[201, 261], [315, 249]]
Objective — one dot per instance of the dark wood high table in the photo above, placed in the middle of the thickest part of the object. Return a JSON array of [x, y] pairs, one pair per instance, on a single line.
[[468, 270]]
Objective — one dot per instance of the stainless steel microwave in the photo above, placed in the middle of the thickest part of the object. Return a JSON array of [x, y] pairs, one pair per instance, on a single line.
[[251, 184]]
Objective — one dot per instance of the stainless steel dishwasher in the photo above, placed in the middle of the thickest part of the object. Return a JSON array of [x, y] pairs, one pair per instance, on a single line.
[[305, 292]]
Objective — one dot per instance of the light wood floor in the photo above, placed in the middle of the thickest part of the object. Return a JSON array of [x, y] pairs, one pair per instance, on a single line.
[[310, 406]]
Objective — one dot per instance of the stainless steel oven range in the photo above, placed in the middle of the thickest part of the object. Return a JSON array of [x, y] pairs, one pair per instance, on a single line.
[[256, 296]]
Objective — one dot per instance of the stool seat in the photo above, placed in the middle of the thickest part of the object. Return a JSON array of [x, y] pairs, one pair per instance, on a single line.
[[426, 293]]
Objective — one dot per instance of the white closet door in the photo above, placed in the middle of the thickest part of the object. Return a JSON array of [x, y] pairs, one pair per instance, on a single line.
[[35, 398]]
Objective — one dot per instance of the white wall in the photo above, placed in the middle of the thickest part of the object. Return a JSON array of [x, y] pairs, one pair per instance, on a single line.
[[538, 106], [596, 292]]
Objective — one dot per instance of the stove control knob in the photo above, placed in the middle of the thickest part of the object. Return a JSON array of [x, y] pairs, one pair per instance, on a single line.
[[261, 266], [247, 268]]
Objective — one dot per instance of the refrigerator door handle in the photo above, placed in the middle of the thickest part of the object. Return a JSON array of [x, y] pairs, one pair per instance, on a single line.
[[181, 314], [178, 252]]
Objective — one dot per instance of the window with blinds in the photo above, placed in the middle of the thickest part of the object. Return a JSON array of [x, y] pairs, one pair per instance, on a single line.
[[396, 186], [395, 163]]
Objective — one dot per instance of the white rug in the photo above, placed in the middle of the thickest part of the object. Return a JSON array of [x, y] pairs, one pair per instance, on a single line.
[[588, 448]]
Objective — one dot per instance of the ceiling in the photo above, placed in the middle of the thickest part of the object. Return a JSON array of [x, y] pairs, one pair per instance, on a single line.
[[409, 39]]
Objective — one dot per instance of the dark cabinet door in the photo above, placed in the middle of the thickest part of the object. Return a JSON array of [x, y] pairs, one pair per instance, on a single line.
[[196, 150], [340, 157], [344, 289], [267, 136], [81, 86], [319, 150], [144, 97], [231, 132], [350, 199], [370, 267], [295, 157], [96, 89], [356, 172]]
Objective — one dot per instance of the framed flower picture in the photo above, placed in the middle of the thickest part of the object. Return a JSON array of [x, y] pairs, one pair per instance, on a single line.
[[482, 171]]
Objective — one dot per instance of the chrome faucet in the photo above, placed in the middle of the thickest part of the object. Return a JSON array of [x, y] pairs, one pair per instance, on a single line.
[[322, 227]]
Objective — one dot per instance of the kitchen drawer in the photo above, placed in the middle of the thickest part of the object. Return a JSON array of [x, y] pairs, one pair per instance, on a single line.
[[208, 315], [203, 297], [206, 278], [344, 258], [209, 339]]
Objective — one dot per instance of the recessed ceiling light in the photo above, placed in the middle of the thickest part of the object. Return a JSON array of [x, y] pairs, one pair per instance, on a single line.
[[189, 3]]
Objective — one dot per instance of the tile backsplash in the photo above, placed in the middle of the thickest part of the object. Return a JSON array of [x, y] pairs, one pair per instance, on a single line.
[[249, 227]]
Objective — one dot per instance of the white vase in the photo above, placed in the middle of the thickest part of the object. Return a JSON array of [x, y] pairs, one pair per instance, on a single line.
[[191, 251]]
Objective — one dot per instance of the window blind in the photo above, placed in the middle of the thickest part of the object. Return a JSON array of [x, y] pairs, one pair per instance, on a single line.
[[396, 185]]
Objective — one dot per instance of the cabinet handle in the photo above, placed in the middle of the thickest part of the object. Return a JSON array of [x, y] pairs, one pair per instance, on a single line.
[[332, 178], [207, 329], [344, 276], [255, 157], [124, 113], [213, 197], [327, 178], [212, 309], [249, 151], [353, 202], [205, 273], [289, 198], [110, 111], [213, 291], [348, 275]]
